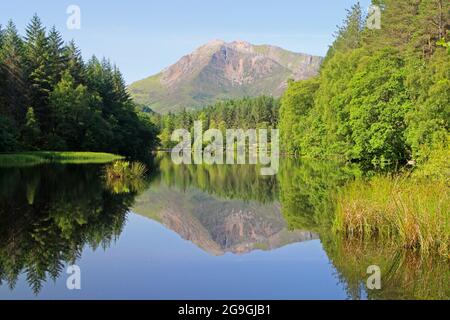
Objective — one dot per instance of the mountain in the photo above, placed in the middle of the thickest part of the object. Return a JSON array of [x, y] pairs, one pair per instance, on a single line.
[[216, 225], [220, 70]]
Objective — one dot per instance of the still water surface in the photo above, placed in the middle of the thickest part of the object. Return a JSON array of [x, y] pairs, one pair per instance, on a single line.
[[192, 232]]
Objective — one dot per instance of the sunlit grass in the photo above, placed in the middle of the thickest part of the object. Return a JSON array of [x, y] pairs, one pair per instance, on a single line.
[[412, 213], [126, 170], [124, 177], [36, 158]]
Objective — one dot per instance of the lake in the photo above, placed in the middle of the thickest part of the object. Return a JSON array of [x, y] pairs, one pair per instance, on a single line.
[[194, 232]]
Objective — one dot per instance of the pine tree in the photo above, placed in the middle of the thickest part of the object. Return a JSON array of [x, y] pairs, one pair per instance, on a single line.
[[433, 22], [57, 59], [8, 127], [349, 35], [14, 82], [398, 23], [1, 35], [99, 79], [120, 88], [39, 70], [74, 62], [2, 76]]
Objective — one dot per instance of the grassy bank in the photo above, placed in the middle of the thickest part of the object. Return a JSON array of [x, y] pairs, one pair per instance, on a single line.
[[35, 158], [407, 212]]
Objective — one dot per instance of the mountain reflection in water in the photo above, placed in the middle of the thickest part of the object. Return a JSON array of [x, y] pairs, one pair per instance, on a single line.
[[55, 215], [219, 226]]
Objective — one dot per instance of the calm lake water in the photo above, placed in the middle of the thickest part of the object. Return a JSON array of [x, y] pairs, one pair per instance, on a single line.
[[193, 232]]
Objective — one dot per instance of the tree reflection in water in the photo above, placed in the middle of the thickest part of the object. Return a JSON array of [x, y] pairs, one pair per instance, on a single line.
[[48, 214]]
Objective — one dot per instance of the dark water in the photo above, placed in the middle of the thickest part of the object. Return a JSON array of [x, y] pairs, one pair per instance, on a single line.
[[193, 232]]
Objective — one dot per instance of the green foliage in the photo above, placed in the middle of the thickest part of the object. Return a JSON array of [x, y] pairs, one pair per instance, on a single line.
[[296, 105], [70, 106], [49, 214], [124, 177], [444, 44], [13, 89], [225, 181], [307, 189], [124, 170], [437, 166], [37, 69], [349, 35], [247, 113], [325, 131], [8, 135], [31, 130], [429, 118], [382, 97], [377, 103], [55, 101]]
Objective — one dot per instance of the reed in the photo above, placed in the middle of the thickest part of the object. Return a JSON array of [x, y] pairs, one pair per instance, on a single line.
[[125, 177], [412, 213]]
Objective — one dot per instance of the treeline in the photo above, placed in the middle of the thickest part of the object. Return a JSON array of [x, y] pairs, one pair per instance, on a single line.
[[50, 99], [255, 113], [383, 95]]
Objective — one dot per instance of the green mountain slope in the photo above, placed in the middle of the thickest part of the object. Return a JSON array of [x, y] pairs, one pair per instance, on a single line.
[[220, 70]]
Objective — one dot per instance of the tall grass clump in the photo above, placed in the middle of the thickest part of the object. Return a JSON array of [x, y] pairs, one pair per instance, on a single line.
[[413, 213], [124, 177], [126, 170]]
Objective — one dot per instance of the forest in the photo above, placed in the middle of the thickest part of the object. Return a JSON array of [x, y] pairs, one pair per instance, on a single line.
[[382, 98], [381, 102], [51, 99], [247, 113], [363, 170]]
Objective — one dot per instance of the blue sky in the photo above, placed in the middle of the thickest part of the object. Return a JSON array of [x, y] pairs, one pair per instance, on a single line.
[[143, 37]]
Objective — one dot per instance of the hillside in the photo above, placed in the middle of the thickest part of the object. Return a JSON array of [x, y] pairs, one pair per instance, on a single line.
[[220, 70]]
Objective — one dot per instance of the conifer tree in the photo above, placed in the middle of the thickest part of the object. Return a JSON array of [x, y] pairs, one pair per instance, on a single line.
[[39, 70], [2, 76], [74, 62], [13, 75], [432, 24], [49, 99], [349, 35], [57, 59]]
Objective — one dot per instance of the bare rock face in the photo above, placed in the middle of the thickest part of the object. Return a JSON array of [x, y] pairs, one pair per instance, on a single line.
[[220, 70]]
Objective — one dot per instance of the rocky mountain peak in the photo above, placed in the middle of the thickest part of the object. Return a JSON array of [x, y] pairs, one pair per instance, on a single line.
[[223, 70]]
